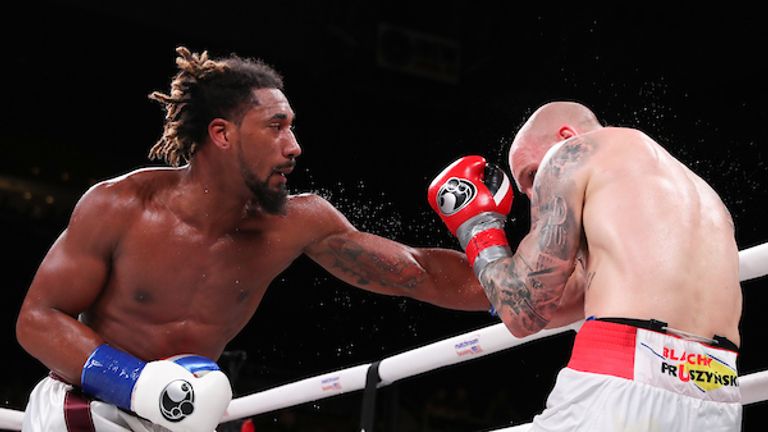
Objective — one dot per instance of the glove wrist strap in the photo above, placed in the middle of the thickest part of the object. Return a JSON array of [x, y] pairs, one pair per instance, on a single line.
[[477, 224], [483, 239], [110, 375]]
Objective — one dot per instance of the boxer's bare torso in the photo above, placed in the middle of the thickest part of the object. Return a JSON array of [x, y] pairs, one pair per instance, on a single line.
[[656, 241], [661, 243], [173, 286]]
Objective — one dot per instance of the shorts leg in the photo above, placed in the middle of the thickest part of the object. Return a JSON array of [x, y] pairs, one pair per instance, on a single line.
[[45, 408], [583, 401], [45, 411]]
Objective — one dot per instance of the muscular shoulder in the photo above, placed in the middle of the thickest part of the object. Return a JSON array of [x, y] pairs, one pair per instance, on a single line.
[[307, 202], [569, 159], [316, 215], [624, 142], [622, 133], [600, 149], [313, 209], [121, 197]]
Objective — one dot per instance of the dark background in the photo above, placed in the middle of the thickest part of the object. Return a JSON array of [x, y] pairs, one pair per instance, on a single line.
[[387, 93]]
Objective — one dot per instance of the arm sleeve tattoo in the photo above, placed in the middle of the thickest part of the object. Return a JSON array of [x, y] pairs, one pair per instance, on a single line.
[[366, 266], [526, 288]]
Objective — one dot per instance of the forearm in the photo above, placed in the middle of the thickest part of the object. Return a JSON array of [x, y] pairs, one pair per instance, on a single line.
[[57, 340], [438, 276], [524, 298], [450, 281], [201, 392]]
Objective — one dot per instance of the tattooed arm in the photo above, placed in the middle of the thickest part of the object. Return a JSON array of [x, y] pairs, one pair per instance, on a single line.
[[527, 288], [438, 276]]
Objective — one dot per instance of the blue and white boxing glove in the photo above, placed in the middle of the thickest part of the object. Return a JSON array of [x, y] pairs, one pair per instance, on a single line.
[[184, 393]]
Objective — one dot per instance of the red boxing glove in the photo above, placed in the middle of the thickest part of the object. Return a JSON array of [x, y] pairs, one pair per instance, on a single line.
[[473, 199]]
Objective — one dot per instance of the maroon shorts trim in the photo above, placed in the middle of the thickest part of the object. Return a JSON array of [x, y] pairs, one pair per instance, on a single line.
[[77, 409]]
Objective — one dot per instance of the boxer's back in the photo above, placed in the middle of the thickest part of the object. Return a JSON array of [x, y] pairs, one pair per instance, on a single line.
[[660, 241]]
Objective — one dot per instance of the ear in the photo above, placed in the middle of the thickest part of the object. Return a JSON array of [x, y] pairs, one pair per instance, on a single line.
[[219, 131], [566, 132]]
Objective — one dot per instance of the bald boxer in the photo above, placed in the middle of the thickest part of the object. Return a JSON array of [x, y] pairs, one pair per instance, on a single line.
[[624, 234], [160, 268]]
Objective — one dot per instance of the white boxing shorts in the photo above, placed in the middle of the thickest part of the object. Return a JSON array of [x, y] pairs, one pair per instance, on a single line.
[[55, 406], [624, 378]]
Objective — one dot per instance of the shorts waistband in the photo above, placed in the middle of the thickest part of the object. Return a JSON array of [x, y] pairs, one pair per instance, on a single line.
[[605, 348], [661, 327], [655, 358]]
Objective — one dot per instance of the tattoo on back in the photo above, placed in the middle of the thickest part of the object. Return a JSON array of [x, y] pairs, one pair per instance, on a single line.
[[529, 285]]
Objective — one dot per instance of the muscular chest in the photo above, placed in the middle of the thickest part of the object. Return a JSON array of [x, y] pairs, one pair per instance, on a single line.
[[176, 268]]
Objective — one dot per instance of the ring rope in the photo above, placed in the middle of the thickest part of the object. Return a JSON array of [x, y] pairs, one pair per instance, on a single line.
[[11, 419], [753, 263]]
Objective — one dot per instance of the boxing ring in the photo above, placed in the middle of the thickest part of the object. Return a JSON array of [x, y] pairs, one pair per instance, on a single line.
[[753, 263]]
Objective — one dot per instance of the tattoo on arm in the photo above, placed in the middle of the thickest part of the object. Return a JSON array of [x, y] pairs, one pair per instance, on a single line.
[[554, 229], [531, 293], [368, 267], [510, 287]]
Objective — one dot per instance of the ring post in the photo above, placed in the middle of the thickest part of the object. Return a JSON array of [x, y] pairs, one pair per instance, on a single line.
[[368, 414]]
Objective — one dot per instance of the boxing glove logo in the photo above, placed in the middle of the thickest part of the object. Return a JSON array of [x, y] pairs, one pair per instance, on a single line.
[[454, 195], [177, 400]]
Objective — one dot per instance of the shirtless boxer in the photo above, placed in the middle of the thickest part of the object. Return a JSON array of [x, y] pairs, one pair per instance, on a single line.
[[159, 269], [626, 235]]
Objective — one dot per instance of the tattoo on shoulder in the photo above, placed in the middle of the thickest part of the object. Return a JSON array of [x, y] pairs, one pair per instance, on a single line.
[[370, 268], [571, 155]]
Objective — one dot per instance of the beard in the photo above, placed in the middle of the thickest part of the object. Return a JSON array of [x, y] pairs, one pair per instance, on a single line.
[[270, 200]]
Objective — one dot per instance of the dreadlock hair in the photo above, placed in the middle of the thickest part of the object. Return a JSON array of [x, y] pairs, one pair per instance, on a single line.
[[202, 90]]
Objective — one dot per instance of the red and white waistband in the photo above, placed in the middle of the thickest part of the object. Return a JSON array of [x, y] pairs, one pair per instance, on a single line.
[[658, 359]]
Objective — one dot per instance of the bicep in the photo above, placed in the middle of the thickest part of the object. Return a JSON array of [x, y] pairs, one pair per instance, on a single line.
[[555, 239], [70, 278], [558, 203], [75, 269]]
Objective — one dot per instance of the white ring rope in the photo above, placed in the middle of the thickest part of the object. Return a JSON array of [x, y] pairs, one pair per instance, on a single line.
[[436, 355], [753, 263], [11, 419]]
